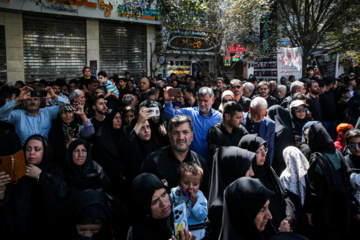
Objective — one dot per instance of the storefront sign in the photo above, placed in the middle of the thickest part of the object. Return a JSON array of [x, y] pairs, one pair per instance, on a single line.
[[289, 62], [233, 53], [95, 9], [187, 43]]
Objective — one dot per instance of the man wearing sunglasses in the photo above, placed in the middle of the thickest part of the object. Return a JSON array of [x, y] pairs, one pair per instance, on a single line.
[[264, 89], [237, 88]]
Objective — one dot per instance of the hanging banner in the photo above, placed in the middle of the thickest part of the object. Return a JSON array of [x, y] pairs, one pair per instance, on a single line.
[[327, 64], [289, 62]]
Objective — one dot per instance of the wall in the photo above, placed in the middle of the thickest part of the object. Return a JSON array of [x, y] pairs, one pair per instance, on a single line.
[[14, 45]]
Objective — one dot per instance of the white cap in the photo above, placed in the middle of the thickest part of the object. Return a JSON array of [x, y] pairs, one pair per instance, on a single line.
[[297, 103]]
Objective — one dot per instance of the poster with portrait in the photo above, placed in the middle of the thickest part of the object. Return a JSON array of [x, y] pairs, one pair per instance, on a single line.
[[289, 62], [327, 64]]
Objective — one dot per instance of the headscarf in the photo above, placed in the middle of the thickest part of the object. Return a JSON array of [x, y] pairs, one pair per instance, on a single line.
[[157, 138], [298, 124], [320, 140], [308, 124], [60, 133], [108, 146], [225, 93], [243, 200], [284, 135], [268, 177], [229, 164], [77, 207], [46, 148], [293, 177], [80, 177], [143, 188]]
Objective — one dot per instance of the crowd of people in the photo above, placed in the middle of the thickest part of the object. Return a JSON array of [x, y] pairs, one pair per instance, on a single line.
[[112, 158]]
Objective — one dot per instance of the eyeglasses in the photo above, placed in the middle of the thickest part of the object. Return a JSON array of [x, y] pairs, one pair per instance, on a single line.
[[238, 87], [300, 109], [262, 151], [354, 145]]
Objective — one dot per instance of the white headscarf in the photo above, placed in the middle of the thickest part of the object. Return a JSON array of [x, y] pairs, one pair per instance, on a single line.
[[293, 177]]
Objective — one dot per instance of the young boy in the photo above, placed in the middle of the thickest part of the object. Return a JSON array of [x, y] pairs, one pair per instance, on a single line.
[[189, 177], [110, 86]]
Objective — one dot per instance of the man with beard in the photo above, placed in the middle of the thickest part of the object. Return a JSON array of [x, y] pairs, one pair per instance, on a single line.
[[164, 163], [220, 84], [236, 87], [203, 116], [312, 99], [255, 121], [190, 97], [229, 130], [32, 120], [264, 90], [99, 106]]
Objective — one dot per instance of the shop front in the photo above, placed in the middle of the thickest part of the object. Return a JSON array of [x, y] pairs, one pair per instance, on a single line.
[[56, 40]]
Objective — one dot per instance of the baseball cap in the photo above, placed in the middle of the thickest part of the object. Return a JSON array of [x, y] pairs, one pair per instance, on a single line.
[[298, 103]]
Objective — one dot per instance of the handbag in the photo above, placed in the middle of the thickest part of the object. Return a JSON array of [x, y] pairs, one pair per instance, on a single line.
[[14, 165]]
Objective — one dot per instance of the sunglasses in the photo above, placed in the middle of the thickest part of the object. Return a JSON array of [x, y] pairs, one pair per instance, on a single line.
[[300, 109], [226, 101], [354, 145], [238, 87]]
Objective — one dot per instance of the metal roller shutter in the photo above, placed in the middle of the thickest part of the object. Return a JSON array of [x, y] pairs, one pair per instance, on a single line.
[[3, 73], [122, 49], [53, 48]]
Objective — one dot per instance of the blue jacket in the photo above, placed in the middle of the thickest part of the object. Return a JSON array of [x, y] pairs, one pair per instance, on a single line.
[[201, 125], [266, 132]]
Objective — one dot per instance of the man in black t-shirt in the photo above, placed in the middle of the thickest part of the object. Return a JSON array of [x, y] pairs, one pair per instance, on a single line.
[[312, 99]]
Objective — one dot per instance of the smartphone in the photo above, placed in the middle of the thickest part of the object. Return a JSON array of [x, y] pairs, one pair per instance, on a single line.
[[38, 93], [175, 92], [155, 111], [71, 107], [180, 219]]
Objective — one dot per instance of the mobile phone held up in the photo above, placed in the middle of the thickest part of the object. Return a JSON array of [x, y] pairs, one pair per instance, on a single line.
[[38, 93], [155, 111], [71, 107], [175, 92], [180, 219]]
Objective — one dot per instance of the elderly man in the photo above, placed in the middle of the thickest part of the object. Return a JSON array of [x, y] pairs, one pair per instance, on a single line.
[[164, 163], [32, 120], [255, 121], [77, 97], [295, 87], [281, 92], [248, 90], [236, 88], [203, 116]]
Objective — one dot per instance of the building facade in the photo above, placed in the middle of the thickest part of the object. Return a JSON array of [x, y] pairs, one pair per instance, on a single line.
[[53, 40]]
